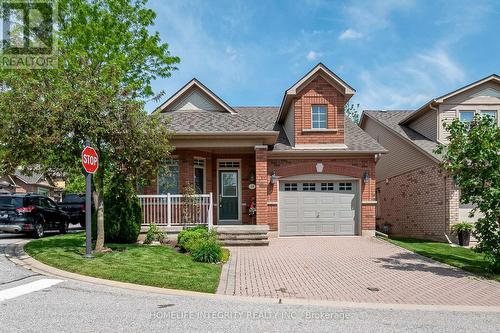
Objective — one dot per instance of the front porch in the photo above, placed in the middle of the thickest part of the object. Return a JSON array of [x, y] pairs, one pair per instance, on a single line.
[[227, 182]]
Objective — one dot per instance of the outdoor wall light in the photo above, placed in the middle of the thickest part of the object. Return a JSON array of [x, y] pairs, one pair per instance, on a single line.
[[251, 176], [274, 177], [366, 177]]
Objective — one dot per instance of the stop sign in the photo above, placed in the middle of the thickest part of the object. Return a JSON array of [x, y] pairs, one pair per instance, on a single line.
[[90, 160]]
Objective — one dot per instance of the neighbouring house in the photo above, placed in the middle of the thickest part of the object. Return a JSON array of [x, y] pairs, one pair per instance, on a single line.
[[309, 169], [34, 183], [415, 197]]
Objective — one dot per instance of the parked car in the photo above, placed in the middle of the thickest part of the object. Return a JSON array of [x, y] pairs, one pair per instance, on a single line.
[[31, 214], [74, 205]]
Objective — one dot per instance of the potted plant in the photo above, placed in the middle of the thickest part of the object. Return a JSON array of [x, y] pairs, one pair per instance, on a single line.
[[463, 231], [252, 210]]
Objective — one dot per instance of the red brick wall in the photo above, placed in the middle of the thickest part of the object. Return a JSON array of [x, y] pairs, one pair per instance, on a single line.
[[422, 203], [319, 91], [352, 167], [261, 178]]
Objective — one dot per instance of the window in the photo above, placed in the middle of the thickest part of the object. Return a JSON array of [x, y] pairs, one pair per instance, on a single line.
[[168, 178], [318, 116], [290, 186], [308, 187], [43, 191], [466, 116], [199, 176], [229, 164], [345, 186], [490, 113], [327, 186]]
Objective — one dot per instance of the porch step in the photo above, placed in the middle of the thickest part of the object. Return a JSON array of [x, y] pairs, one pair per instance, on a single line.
[[243, 235], [245, 242], [228, 236]]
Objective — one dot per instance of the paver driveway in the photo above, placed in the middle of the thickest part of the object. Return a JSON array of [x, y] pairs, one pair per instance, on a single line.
[[345, 269]]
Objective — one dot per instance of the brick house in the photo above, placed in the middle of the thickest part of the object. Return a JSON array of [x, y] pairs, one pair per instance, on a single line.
[[34, 183], [309, 170], [415, 197]]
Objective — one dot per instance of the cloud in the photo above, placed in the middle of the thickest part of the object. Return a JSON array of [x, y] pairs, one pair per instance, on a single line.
[[311, 56], [350, 34], [410, 82]]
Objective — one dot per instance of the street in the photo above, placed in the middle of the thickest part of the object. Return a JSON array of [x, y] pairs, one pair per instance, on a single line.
[[73, 306]]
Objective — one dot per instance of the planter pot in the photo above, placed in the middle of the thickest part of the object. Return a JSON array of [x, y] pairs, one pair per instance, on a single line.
[[464, 238]]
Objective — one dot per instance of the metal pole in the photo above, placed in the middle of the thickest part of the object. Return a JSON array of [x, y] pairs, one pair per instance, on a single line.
[[88, 214]]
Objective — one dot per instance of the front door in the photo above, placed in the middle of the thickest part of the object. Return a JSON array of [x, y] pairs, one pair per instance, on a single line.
[[228, 195]]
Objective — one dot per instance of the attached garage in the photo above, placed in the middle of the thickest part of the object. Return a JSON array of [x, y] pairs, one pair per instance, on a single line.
[[315, 207]]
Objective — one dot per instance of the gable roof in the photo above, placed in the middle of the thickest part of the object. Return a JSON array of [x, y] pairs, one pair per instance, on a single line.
[[440, 99], [319, 69], [392, 120], [356, 140], [194, 84]]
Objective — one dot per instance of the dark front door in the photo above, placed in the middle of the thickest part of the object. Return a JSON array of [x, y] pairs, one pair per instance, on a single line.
[[228, 195]]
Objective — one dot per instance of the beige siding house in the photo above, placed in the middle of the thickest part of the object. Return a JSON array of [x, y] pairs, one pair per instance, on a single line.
[[415, 197]]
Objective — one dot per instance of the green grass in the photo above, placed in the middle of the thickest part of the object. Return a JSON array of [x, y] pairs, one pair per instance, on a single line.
[[157, 266], [460, 257]]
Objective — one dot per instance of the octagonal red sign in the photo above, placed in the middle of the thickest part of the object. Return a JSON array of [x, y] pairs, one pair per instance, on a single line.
[[90, 160]]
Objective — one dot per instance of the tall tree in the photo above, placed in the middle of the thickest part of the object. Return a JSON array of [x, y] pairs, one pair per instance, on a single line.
[[473, 158], [107, 60]]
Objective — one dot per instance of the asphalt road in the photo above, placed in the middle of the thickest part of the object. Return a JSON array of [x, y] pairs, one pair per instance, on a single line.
[[73, 306]]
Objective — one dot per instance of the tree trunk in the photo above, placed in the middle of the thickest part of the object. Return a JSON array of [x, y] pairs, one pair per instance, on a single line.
[[99, 204]]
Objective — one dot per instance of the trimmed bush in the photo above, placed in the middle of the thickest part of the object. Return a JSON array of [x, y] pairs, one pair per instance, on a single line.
[[122, 211], [188, 236], [207, 250]]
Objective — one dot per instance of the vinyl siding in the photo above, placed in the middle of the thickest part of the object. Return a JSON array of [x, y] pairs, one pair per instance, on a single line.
[[401, 157], [195, 100], [483, 97], [289, 125], [426, 125]]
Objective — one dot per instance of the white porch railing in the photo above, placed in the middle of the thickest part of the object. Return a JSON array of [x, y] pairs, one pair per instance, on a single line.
[[177, 209]]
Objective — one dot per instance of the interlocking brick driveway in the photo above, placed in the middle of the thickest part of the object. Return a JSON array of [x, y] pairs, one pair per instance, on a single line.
[[344, 268]]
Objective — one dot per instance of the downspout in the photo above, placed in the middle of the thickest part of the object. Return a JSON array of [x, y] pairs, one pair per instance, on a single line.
[[438, 128]]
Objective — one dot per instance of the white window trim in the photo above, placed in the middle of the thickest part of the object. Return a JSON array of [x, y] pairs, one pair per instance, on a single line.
[[326, 117]]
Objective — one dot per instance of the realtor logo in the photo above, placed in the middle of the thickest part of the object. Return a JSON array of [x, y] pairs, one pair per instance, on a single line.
[[27, 32]]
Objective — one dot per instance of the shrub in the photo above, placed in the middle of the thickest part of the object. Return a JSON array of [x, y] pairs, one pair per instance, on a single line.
[[187, 237], [122, 211], [461, 227], [154, 234], [207, 250]]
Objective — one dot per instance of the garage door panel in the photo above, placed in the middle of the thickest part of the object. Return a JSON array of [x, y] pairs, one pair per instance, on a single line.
[[331, 212]]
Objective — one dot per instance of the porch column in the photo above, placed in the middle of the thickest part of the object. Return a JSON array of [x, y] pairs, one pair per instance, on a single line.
[[261, 184]]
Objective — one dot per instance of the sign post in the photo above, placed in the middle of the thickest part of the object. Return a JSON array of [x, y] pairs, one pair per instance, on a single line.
[[90, 162]]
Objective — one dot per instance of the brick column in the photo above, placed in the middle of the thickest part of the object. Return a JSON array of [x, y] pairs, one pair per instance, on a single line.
[[261, 184]]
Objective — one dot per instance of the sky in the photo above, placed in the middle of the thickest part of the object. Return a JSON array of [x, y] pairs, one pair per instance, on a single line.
[[397, 54]]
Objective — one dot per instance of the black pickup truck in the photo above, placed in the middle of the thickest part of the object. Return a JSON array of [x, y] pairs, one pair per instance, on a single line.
[[74, 205]]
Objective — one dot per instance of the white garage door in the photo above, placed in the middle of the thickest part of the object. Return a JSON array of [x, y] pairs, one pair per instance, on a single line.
[[318, 208]]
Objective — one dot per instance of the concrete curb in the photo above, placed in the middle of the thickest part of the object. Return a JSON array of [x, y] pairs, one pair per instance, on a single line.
[[15, 253]]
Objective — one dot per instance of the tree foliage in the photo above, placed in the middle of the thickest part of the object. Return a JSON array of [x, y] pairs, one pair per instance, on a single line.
[[107, 61], [352, 112], [473, 158]]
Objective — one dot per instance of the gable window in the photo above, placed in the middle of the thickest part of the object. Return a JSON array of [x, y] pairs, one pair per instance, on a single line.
[[168, 178], [466, 116], [490, 113], [318, 116], [199, 176]]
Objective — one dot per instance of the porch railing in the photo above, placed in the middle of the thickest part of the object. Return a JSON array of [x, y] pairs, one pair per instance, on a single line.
[[177, 209]]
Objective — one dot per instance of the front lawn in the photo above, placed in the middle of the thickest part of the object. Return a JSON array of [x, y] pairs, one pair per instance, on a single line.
[[157, 266], [460, 257]]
